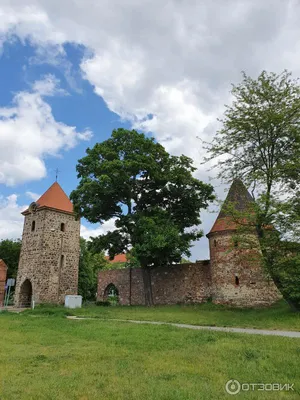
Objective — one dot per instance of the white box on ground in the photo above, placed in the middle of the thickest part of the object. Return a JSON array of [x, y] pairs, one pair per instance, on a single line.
[[73, 301]]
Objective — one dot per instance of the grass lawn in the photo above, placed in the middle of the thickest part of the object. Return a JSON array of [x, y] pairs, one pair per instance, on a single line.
[[46, 356], [279, 316]]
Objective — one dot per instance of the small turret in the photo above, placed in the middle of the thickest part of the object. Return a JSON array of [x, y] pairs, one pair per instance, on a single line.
[[237, 273]]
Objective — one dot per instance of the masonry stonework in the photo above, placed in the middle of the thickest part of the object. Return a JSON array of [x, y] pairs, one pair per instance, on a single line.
[[48, 265], [238, 278], [234, 275], [49, 259], [178, 284]]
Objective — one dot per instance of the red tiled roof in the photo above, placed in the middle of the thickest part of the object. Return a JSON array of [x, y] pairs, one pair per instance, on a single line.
[[120, 258], [223, 224], [239, 197], [54, 198]]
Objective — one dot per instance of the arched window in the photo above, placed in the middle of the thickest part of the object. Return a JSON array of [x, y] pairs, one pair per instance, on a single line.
[[33, 226], [111, 294], [62, 227], [237, 281]]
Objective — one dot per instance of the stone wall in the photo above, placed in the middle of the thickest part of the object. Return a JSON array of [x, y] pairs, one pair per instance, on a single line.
[[49, 256], [238, 278], [234, 276], [3, 272], [183, 283]]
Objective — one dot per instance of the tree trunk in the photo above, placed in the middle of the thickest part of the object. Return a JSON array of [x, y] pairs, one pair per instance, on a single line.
[[147, 286]]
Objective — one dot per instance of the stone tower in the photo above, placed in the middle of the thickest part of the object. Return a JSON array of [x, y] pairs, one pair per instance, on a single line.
[[48, 265], [236, 270]]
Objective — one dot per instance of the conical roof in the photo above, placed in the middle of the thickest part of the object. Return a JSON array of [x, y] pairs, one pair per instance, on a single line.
[[54, 198], [239, 197]]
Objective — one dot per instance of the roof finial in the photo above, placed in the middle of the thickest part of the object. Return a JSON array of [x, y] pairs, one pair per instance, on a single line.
[[57, 171]]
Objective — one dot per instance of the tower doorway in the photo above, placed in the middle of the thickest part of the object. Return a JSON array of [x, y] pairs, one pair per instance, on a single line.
[[25, 296]]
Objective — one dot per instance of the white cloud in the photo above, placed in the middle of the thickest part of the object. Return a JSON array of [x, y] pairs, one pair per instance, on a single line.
[[92, 231], [10, 216], [165, 66], [29, 132], [33, 196], [171, 60], [49, 86]]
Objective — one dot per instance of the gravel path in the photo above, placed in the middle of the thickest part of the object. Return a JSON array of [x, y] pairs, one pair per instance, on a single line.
[[290, 334]]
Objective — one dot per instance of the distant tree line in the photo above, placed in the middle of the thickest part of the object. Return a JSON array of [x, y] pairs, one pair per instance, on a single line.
[[10, 253]]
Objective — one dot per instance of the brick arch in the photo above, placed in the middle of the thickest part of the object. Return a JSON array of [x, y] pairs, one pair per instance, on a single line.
[[111, 290]]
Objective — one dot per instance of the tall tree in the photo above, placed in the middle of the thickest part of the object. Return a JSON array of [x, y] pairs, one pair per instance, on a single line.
[[89, 265], [259, 142], [10, 254], [153, 197]]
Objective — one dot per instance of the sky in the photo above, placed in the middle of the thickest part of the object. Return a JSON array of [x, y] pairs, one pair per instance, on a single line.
[[72, 71]]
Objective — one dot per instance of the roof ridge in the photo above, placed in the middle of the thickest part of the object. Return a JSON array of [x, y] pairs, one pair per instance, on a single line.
[[54, 198]]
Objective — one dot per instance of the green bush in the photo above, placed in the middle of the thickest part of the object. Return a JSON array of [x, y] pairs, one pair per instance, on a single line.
[[102, 303], [113, 300], [287, 273]]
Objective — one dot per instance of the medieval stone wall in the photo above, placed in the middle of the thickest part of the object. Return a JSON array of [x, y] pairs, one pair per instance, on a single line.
[[49, 256], [3, 271], [183, 283], [234, 276], [237, 275]]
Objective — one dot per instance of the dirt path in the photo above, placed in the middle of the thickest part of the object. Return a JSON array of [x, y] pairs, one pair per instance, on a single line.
[[250, 331]]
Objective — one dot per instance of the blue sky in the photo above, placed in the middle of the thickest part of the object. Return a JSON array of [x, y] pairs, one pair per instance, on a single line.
[[79, 107], [72, 71]]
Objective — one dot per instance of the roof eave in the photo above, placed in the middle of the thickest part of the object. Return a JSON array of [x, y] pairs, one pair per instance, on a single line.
[[27, 212]]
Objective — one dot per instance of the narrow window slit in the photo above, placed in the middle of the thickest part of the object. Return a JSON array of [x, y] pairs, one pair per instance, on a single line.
[[62, 261]]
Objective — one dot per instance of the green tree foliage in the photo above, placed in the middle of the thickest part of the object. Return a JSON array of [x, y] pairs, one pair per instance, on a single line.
[[152, 195], [116, 265], [259, 142], [10, 254], [89, 265], [284, 257], [185, 261]]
